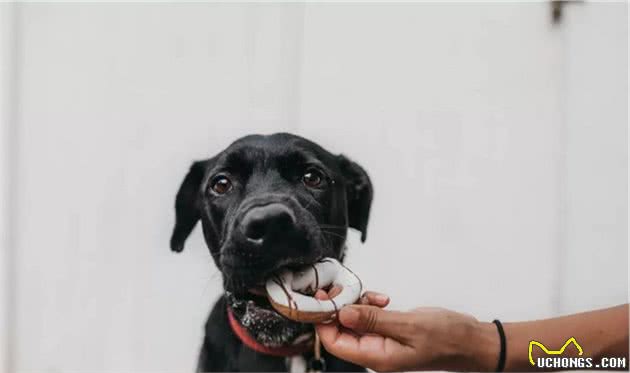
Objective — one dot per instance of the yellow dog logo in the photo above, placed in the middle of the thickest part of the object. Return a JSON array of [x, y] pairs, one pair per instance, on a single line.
[[553, 352]]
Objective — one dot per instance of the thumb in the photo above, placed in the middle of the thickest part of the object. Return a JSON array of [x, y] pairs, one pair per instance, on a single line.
[[371, 319]]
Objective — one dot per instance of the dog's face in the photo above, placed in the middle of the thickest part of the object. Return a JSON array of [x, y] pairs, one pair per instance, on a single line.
[[266, 203]]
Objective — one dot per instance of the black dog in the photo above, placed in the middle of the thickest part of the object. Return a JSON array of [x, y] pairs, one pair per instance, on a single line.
[[266, 203]]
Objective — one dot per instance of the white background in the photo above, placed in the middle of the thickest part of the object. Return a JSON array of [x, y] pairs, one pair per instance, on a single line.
[[496, 142]]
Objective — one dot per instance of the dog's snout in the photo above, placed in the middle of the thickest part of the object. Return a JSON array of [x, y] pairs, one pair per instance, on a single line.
[[263, 221]]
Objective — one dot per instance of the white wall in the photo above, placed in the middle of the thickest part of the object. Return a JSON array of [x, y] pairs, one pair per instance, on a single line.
[[476, 123], [7, 104], [595, 250], [461, 134]]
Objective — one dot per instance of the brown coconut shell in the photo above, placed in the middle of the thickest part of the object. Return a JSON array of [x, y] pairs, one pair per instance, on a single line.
[[294, 314]]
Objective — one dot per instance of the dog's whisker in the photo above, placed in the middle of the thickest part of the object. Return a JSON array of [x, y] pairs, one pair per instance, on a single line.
[[332, 226], [309, 203], [333, 234], [326, 240], [216, 274]]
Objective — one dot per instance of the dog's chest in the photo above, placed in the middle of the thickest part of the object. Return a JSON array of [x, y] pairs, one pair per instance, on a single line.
[[296, 364], [251, 361]]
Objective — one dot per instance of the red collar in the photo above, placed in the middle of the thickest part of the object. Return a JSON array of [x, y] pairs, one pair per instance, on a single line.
[[252, 343]]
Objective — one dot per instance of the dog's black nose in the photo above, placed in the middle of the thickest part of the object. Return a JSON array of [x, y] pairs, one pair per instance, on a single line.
[[263, 221]]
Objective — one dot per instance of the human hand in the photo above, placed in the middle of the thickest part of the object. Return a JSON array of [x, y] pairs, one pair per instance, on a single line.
[[421, 339]]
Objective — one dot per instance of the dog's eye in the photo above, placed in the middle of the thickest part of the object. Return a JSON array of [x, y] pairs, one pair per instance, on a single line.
[[312, 178], [221, 184]]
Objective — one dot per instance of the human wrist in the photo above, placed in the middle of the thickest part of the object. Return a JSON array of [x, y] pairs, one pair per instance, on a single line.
[[481, 351], [469, 345]]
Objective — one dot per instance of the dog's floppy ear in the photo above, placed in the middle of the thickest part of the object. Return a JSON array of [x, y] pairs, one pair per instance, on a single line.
[[358, 194], [186, 206]]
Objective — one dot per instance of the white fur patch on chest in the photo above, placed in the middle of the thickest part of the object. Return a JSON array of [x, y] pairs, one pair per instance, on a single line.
[[296, 364]]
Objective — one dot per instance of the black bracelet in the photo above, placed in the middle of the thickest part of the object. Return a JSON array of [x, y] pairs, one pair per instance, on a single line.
[[501, 363]]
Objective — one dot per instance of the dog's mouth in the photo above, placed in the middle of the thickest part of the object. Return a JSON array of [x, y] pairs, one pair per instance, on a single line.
[[258, 291]]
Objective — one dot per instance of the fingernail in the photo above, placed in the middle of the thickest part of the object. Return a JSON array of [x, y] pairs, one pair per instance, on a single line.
[[382, 298], [349, 316], [320, 294]]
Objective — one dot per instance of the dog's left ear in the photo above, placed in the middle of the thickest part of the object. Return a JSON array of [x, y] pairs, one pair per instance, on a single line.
[[358, 194], [186, 206]]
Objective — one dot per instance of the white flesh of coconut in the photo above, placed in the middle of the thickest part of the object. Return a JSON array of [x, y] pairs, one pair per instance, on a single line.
[[322, 274]]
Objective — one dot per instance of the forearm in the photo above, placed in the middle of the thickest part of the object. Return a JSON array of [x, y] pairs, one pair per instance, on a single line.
[[601, 333]]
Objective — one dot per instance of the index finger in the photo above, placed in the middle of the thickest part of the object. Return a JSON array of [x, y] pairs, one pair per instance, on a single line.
[[372, 298]]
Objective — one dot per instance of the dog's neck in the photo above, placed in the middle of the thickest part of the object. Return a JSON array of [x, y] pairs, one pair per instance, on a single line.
[[299, 347]]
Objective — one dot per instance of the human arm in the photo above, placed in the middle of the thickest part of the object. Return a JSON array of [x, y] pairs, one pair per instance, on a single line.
[[600, 333], [439, 339]]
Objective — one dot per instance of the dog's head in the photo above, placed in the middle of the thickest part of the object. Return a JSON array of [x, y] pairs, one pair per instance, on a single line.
[[266, 203]]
